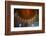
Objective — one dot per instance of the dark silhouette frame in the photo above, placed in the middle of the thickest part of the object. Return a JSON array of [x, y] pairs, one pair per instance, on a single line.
[[8, 12]]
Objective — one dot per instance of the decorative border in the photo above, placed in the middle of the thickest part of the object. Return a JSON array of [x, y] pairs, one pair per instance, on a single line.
[[8, 16], [27, 28]]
